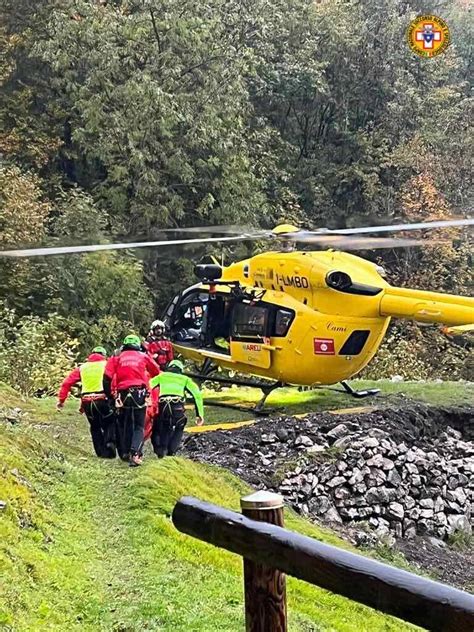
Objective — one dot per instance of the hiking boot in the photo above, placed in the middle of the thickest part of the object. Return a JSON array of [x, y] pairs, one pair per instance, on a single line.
[[135, 460]]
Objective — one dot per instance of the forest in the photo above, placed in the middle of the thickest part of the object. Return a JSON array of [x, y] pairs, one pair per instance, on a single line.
[[121, 118]]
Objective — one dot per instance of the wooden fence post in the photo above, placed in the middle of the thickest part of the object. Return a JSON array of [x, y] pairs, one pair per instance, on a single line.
[[265, 587]]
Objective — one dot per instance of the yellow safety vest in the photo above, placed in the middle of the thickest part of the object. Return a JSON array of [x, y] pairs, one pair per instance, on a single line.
[[92, 374]]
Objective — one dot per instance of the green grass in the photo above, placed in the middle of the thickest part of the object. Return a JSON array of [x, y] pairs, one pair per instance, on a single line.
[[291, 401], [461, 540], [89, 544]]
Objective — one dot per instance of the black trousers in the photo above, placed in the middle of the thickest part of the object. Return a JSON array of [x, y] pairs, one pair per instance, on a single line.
[[131, 422], [102, 426], [168, 428]]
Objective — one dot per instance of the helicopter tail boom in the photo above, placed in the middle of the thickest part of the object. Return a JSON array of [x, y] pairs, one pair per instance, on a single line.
[[427, 307]]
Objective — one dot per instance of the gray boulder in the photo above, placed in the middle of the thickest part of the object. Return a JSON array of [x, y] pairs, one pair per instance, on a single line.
[[459, 523], [395, 511], [332, 515], [338, 431]]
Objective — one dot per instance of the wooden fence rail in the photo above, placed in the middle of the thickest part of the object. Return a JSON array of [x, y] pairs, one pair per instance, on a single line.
[[421, 601]]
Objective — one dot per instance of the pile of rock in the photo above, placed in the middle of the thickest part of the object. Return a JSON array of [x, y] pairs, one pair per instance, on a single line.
[[389, 469], [394, 487]]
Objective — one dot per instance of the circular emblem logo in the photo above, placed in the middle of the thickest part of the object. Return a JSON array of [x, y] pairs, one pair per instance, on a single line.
[[428, 35]]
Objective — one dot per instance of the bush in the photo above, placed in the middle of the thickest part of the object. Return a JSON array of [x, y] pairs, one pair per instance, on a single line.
[[420, 353], [424, 352], [35, 354], [108, 331]]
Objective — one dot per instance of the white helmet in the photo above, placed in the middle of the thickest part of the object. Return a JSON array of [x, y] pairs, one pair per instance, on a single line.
[[157, 323]]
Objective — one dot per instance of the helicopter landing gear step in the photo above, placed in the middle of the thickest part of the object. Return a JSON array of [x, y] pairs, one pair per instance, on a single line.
[[258, 409], [358, 394]]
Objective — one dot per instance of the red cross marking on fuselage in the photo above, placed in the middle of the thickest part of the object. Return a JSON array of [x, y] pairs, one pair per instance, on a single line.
[[420, 35]]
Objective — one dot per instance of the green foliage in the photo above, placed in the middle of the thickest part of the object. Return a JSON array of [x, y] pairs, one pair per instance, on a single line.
[[122, 118], [77, 217], [461, 540], [102, 284], [91, 286], [212, 112], [100, 295], [418, 353], [159, 105], [23, 216], [22, 210], [31, 123], [107, 331], [34, 353], [425, 352]]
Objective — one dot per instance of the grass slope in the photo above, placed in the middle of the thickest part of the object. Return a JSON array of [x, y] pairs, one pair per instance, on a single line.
[[89, 545]]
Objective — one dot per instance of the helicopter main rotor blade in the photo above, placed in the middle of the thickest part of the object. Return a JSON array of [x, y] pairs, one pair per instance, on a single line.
[[324, 237], [355, 243], [398, 227], [64, 250], [229, 229]]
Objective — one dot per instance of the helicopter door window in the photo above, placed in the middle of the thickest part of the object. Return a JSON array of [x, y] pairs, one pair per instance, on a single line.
[[283, 320], [250, 321], [216, 332]]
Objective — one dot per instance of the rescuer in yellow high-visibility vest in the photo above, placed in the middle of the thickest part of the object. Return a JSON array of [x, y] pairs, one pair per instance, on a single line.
[[94, 402]]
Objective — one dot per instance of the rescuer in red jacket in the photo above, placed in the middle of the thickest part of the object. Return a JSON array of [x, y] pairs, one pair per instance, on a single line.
[[94, 402], [158, 346], [130, 371]]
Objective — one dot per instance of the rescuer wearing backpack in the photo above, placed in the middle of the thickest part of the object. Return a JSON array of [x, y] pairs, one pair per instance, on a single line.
[[94, 402], [130, 371], [169, 426]]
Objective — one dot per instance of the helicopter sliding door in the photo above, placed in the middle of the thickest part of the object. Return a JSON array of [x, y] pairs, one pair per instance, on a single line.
[[249, 334], [194, 319]]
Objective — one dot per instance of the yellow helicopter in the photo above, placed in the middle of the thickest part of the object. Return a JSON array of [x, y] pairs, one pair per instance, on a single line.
[[294, 317]]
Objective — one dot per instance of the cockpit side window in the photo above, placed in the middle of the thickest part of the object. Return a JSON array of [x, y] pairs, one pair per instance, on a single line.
[[187, 317], [283, 320]]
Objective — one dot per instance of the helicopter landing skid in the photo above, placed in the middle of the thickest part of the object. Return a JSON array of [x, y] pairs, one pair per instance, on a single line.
[[358, 394], [347, 390], [261, 412]]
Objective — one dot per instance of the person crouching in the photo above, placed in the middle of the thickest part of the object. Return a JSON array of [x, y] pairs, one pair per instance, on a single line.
[[168, 427]]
